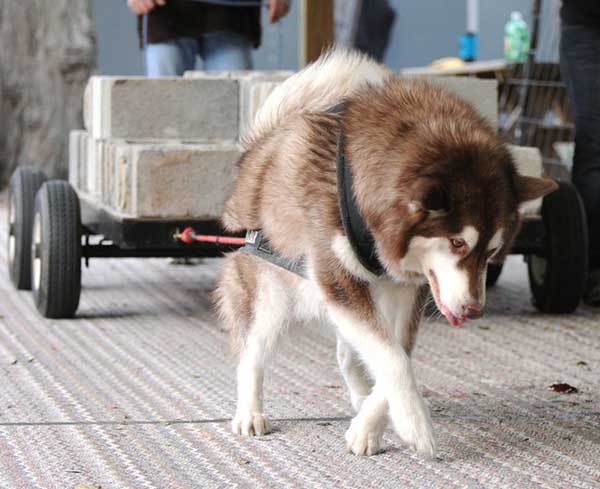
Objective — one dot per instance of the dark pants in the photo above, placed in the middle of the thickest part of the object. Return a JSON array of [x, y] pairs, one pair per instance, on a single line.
[[580, 69], [374, 28]]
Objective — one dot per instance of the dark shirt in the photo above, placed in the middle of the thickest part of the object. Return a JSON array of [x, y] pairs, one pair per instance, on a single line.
[[581, 12], [185, 18]]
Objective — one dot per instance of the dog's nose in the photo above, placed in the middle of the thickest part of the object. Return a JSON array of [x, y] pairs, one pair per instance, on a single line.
[[473, 311]]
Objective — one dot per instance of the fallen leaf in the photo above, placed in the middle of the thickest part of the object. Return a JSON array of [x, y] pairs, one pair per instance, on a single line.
[[484, 327], [81, 486], [564, 388], [581, 363], [73, 471], [324, 423], [244, 462]]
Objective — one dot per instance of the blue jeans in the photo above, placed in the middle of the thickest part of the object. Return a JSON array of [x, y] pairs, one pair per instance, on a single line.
[[580, 69], [220, 51]]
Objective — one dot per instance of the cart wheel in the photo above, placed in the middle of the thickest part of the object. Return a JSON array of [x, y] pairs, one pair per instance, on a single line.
[[557, 279], [493, 274], [24, 184], [56, 250]]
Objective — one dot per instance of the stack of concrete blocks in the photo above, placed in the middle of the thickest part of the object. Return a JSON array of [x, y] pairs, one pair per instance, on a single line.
[[164, 148], [168, 148]]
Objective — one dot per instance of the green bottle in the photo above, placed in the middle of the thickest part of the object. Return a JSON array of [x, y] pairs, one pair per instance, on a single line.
[[516, 38]]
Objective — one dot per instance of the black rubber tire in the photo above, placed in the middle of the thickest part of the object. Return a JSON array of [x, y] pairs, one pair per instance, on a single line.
[[56, 244], [557, 280], [24, 184], [493, 274]]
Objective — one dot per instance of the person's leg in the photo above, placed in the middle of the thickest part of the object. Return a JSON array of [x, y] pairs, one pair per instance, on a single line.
[[171, 58], [225, 51], [580, 69], [375, 23]]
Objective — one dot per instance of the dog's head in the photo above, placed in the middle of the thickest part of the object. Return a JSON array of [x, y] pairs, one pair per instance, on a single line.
[[461, 221], [440, 192]]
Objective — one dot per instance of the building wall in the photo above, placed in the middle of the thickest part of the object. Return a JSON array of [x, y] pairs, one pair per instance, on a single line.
[[425, 30]]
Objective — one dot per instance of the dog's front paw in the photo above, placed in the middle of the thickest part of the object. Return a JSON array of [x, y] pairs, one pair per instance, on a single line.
[[363, 440], [416, 430], [424, 443], [250, 424]]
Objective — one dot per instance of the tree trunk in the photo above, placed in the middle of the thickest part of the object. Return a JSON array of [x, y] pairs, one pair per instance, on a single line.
[[47, 52]]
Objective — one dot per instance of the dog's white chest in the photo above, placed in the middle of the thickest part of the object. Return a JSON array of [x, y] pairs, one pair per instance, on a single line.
[[395, 303]]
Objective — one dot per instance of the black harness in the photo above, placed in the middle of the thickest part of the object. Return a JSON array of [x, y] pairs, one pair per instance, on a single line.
[[358, 234], [258, 245]]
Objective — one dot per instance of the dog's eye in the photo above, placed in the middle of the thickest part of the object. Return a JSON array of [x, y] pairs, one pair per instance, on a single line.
[[459, 244]]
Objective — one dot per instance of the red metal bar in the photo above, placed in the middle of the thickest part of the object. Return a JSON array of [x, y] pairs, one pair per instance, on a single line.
[[189, 236]]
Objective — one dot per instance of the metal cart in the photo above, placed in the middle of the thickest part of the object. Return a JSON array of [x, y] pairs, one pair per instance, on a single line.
[[52, 231]]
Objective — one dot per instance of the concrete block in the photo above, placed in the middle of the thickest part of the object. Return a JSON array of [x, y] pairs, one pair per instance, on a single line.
[[96, 155], [528, 160], [77, 141], [255, 86], [83, 160], [170, 181], [155, 109], [96, 171], [529, 163], [120, 197], [253, 95], [264, 75], [107, 174], [482, 94]]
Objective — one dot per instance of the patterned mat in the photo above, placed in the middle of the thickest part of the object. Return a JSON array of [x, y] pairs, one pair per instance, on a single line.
[[137, 391]]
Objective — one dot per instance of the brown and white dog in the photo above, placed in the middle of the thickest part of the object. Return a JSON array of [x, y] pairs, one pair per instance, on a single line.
[[437, 191]]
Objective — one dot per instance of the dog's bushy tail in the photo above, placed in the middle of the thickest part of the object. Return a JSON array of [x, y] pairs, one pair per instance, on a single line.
[[336, 75]]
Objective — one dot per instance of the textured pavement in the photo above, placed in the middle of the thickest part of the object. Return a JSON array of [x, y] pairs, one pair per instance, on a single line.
[[137, 392]]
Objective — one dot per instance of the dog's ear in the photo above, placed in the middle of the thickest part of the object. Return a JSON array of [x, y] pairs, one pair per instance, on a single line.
[[531, 188], [430, 197]]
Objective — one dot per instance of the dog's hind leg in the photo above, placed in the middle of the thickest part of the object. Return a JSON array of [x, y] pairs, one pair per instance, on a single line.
[[261, 294], [353, 372], [250, 419]]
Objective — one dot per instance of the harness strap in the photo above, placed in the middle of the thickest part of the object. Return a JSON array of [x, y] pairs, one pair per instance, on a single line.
[[358, 234], [258, 245]]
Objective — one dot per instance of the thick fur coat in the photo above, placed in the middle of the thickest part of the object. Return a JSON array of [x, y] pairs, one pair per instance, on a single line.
[[437, 189]]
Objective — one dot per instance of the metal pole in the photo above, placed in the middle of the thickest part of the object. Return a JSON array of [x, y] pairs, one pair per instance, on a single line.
[[527, 72], [473, 16]]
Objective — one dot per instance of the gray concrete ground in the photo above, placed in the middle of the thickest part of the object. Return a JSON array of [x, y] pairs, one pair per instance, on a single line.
[[137, 392]]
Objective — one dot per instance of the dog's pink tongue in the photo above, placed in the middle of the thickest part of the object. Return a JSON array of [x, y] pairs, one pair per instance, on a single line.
[[452, 319]]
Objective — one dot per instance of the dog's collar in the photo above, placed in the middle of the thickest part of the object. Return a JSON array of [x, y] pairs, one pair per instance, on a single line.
[[358, 234]]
